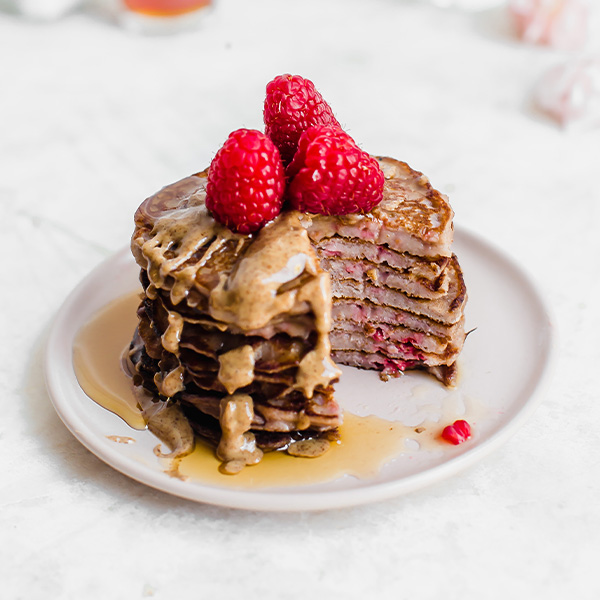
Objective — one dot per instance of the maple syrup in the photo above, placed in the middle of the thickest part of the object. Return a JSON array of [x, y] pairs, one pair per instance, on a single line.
[[98, 359], [366, 443]]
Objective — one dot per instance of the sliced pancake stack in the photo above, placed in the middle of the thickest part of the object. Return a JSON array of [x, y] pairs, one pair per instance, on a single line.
[[241, 331], [398, 291]]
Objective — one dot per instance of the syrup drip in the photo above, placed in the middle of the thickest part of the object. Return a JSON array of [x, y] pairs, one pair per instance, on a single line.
[[96, 352], [121, 439]]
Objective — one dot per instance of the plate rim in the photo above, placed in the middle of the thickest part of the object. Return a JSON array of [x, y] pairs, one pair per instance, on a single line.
[[277, 499]]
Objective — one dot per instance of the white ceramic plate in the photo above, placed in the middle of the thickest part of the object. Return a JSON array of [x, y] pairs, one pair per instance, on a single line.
[[504, 363]]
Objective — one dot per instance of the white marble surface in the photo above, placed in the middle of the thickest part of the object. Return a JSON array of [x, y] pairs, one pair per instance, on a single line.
[[93, 119]]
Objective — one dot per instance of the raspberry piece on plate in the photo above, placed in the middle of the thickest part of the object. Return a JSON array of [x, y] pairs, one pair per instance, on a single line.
[[246, 181], [291, 106], [457, 433], [331, 175]]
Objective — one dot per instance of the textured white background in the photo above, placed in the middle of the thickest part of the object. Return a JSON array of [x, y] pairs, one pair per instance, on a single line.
[[93, 119]]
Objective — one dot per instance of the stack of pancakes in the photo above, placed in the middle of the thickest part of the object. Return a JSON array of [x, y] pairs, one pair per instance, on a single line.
[[242, 331], [233, 327]]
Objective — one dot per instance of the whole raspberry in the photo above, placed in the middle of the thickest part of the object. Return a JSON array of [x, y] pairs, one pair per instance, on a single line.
[[457, 433], [331, 175], [246, 181], [292, 105]]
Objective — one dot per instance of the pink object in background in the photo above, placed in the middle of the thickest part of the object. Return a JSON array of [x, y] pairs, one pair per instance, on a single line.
[[559, 23], [571, 92]]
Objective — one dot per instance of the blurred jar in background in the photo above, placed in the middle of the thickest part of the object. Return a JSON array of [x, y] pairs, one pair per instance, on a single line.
[[165, 8], [162, 16], [142, 16]]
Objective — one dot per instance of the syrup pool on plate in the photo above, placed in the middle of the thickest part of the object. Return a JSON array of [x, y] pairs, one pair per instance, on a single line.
[[366, 443]]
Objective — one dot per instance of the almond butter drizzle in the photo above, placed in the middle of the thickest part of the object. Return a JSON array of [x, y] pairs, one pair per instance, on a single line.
[[170, 384], [237, 447], [172, 335], [236, 368], [181, 232], [171, 427], [249, 297]]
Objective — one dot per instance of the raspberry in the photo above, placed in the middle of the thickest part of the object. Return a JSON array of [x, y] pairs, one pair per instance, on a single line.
[[246, 181], [331, 175], [457, 433], [292, 105]]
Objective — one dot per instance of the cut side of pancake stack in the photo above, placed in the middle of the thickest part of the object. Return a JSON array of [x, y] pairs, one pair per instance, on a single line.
[[398, 290]]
